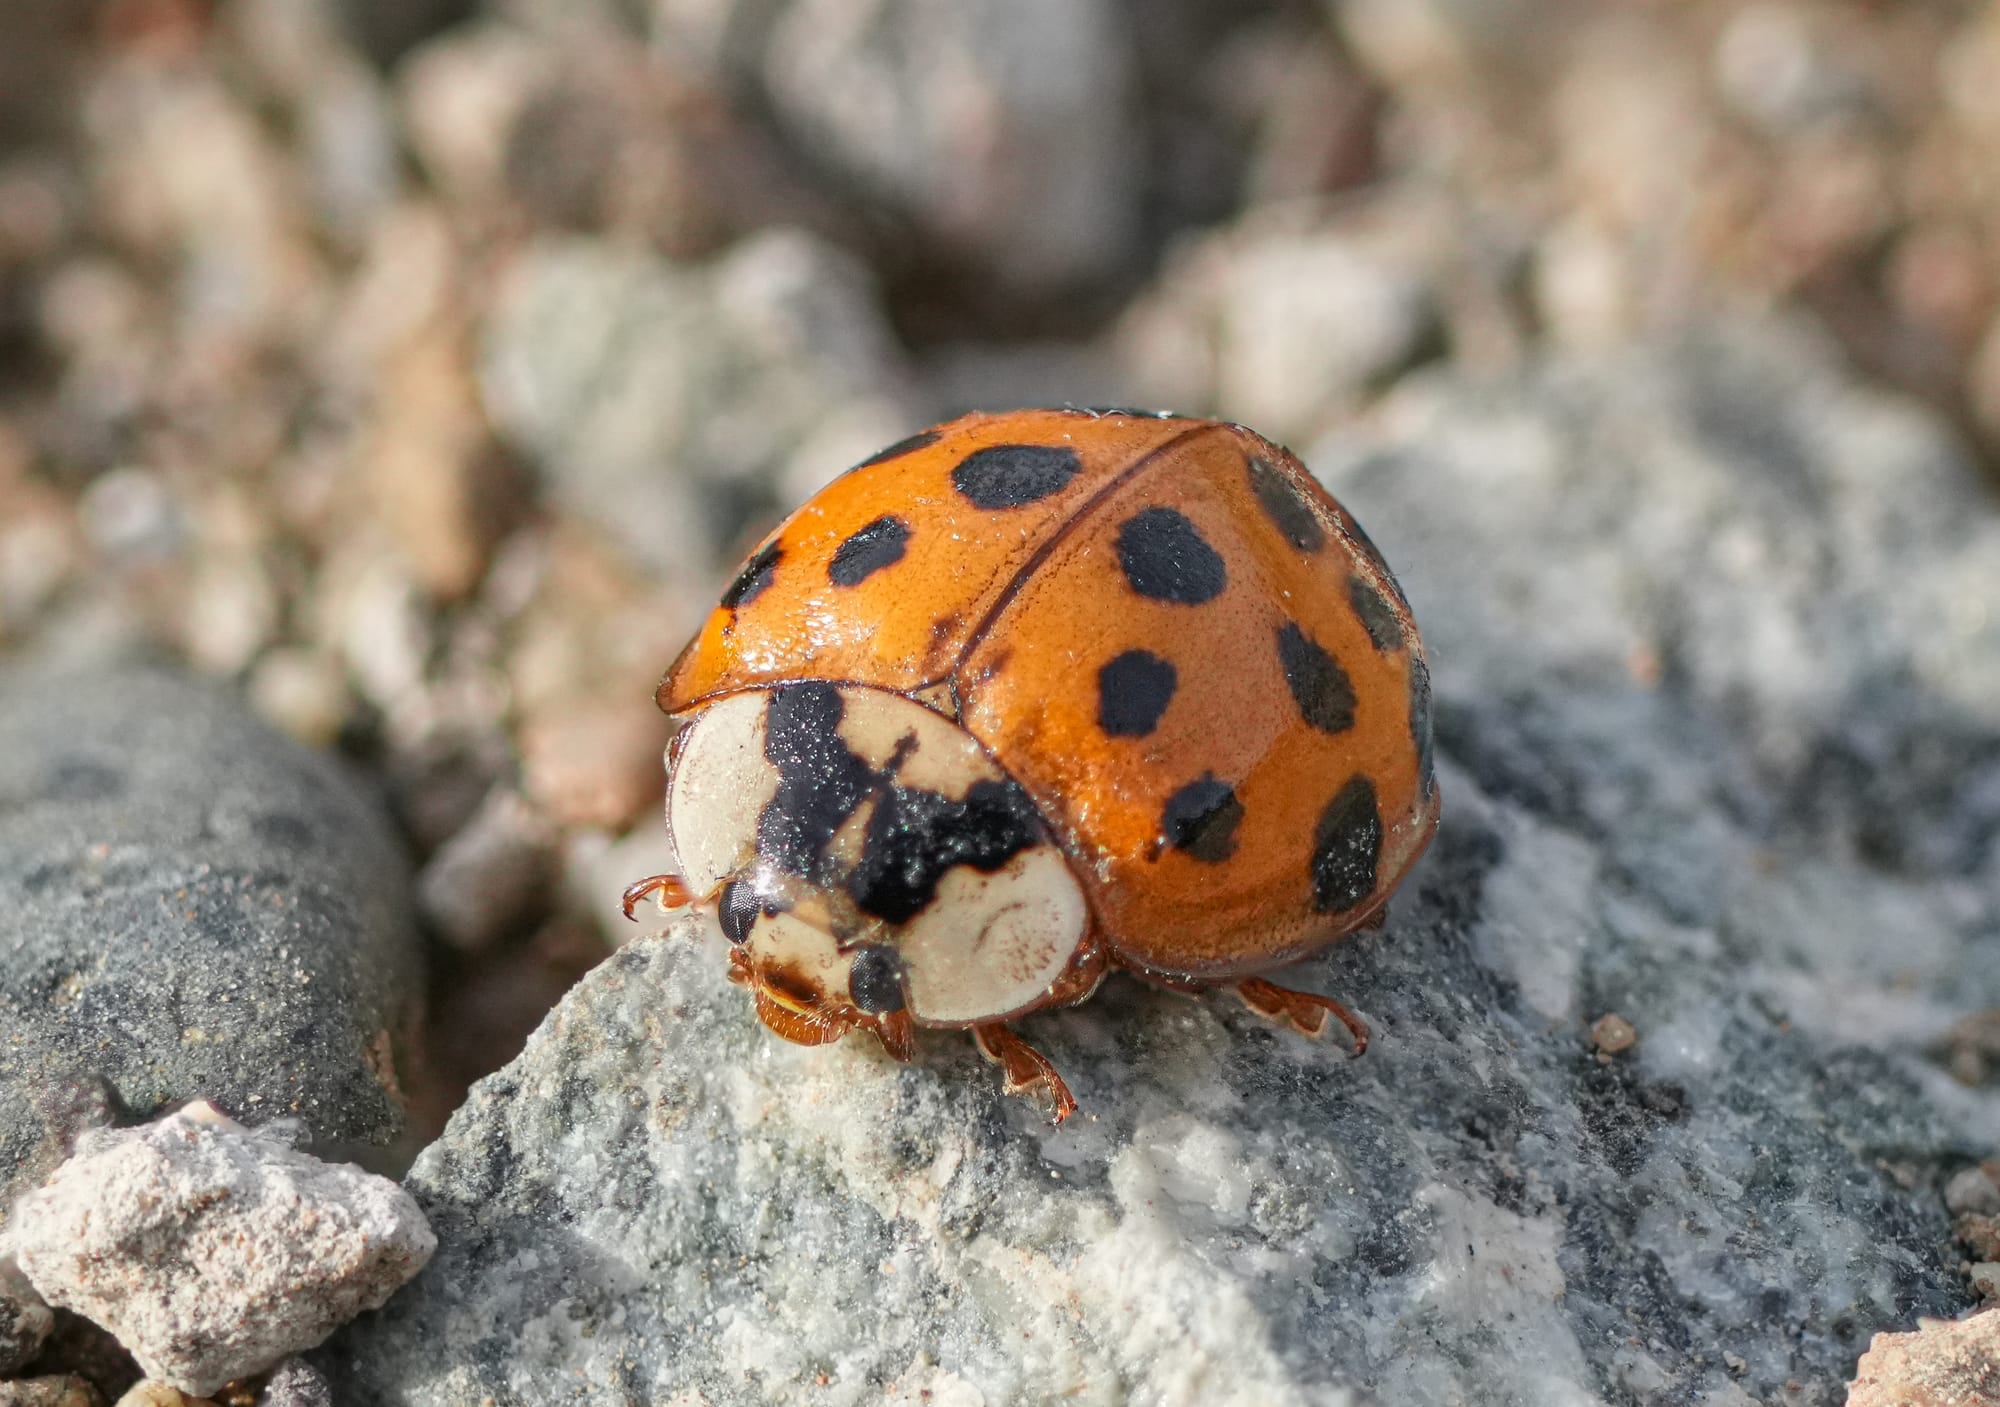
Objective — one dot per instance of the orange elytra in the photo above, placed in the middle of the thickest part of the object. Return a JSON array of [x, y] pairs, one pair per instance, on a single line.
[[1028, 697]]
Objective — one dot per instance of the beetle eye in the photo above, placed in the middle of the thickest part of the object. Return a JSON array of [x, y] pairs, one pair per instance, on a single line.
[[737, 910], [875, 981]]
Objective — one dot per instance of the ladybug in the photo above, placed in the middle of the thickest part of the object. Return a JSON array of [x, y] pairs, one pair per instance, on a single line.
[[1028, 697]]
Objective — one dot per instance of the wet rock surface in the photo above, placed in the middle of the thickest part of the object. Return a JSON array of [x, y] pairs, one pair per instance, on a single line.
[[191, 906], [1494, 1204]]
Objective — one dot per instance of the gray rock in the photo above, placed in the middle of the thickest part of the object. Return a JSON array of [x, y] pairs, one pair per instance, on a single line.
[[1973, 1190], [191, 905], [1002, 130], [25, 1320], [49, 1391], [211, 1250], [490, 876], [1291, 317], [296, 1383], [1719, 747], [653, 393]]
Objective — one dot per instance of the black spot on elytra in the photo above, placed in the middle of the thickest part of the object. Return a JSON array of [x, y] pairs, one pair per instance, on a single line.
[[901, 448], [1201, 819], [755, 576], [1133, 690], [1320, 687], [1007, 476], [1286, 505], [915, 836], [1165, 557], [1378, 617], [1420, 724], [737, 910], [875, 981], [820, 780], [871, 548], [1347, 846]]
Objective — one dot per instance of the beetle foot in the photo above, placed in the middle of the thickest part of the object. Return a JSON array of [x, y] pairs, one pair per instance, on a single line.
[[1304, 1012], [1026, 1070], [897, 1033], [668, 891]]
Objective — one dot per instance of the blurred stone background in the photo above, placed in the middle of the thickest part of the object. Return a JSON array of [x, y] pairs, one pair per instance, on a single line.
[[421, 369]]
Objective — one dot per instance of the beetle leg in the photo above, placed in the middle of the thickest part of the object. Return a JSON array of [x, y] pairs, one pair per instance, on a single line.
[[1305, 1012], [668, 890], [1081, 978], [1026, 1070], [897, 1034]]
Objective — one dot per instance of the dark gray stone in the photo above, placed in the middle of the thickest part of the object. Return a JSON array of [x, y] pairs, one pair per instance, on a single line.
[[26, 1320], [1719, 746], [191, 906], [296, 1383]]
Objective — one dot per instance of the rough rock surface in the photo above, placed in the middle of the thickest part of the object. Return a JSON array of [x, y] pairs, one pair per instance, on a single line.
[[25, 1321], [49, 1390], [191, 906], [1943, 1364], [1721, 753], [212, 1250], [296, 1383]]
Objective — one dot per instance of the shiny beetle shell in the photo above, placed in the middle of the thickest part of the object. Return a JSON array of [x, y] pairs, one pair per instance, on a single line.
[[1174, 661]]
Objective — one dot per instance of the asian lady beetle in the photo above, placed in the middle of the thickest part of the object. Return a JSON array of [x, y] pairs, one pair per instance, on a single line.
[[1027, 697]]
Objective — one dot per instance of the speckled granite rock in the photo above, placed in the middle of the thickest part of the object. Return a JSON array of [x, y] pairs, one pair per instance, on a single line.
[[1721, 755], [191, 906]]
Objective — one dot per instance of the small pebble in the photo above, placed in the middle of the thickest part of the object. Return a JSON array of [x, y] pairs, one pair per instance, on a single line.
[[1611, 1034], [25, 1322], [1981, 1233], [597, 763], [488, 877], [1972, 1189], [1945, 1363], [303, 692], [49, 1392], [1985, 1277], [374, 617], [148, 1393], [211, 1250], [130, 517], [296, 1383]]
